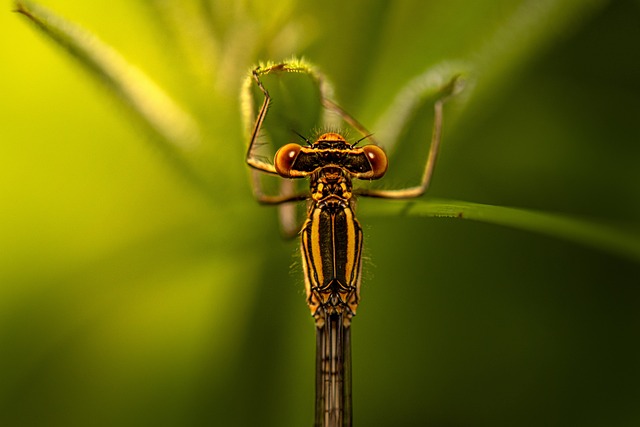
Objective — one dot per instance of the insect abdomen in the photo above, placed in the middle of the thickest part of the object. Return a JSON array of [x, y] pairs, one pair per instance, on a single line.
[[331, 249]]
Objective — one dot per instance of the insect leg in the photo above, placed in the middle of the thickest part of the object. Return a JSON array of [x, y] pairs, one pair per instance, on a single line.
[[417, 191], [253, 160]]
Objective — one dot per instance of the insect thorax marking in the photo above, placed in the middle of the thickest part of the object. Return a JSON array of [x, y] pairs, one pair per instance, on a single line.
[[331, 185]]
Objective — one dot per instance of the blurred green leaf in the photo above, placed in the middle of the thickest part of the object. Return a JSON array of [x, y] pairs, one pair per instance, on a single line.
[[173, 129], [606, 238], [126, 300], [296, 90]]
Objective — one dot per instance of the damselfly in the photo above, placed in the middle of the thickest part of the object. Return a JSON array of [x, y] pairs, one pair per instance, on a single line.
[[331, 236]]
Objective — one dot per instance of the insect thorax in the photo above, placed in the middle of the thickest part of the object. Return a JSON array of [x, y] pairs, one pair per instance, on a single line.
[[331, 185]]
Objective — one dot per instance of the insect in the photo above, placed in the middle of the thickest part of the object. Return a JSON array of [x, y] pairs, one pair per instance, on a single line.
[[331, 237]]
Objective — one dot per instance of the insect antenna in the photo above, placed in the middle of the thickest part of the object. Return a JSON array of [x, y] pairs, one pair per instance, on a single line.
[[302, 136], [360, 140]]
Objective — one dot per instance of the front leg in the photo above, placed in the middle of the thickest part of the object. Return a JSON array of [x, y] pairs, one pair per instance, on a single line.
[[251, 158], [419, 190]]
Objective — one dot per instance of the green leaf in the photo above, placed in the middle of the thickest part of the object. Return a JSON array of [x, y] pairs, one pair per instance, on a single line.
[[174, 131], [592, 234], [297, 91]]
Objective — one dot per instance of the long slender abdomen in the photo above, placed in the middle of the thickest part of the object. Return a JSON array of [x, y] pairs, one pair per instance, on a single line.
[[331, 246], [333, 373]]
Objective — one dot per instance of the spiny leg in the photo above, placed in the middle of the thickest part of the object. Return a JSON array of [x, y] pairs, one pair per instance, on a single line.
[[287, 195], [251, 159], [419, 190], [287, 192]]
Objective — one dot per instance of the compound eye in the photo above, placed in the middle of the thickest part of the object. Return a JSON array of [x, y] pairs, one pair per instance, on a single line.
[[284, 159], [377, 159]]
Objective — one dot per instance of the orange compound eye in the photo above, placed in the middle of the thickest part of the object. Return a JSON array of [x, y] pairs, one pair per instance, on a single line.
[[377, 159], [284, 159]]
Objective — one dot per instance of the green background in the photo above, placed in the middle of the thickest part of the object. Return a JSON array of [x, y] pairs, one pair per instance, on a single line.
[[127, 297]]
